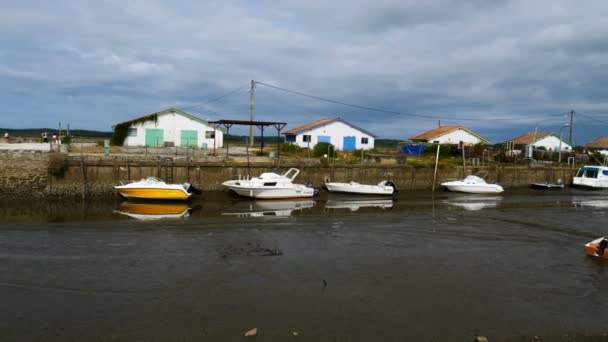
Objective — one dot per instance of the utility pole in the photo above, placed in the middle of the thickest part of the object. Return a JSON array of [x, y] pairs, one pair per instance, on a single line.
[[251, 111], [571, 122]]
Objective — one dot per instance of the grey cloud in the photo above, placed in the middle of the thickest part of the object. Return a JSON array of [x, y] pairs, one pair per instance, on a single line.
[[476, 59]]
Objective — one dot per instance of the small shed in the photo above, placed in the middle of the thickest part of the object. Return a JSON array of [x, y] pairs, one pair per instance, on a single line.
[[170, 127], [449, 135], [337, 131]]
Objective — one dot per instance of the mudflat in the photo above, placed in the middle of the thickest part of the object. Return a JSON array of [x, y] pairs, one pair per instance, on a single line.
[[509, 268]]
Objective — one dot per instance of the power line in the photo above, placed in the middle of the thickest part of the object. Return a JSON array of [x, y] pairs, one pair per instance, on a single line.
[[592, 118], [394, 112], [217, 98]]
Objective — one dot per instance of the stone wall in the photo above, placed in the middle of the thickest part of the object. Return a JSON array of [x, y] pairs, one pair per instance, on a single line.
[[23, 173], [88, 176]]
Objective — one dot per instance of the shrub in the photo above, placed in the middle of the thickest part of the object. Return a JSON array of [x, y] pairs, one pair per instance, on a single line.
[[358, 153], [323, 148], [290, 148], [66, 140], [58, 164], [444, 151]]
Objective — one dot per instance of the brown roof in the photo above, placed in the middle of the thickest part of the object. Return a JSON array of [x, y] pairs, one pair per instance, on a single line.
[[311, 125], [439, 131], [529, 137], [601, 142]]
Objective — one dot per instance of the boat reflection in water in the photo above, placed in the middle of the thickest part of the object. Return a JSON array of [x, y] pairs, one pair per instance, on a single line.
[[474, 203], [589, 201], [278, 208], [154, 210], [354, 204]]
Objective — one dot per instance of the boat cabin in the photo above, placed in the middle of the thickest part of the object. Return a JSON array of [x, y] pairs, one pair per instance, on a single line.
[[592, 177]]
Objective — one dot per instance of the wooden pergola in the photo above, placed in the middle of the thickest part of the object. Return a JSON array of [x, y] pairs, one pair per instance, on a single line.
[[259, 124]]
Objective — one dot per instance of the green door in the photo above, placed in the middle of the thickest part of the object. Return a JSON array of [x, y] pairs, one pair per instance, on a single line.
[[189, 138], [155, 137]]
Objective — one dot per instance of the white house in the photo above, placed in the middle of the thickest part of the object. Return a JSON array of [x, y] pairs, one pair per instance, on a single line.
[[342, 134], [450, 135], [170, 127], [598, 145], [547, 140]]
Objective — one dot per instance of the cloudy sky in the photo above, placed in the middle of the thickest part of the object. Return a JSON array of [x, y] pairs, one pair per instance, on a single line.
[[499, 67]]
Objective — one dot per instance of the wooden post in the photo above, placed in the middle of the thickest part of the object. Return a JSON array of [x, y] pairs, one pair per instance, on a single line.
[[464, 171], [436, 164], [251, 111]]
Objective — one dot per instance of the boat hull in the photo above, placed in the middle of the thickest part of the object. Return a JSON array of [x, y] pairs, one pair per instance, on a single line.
[[359, 189], [590, 184], [153, 193], [474, 188], [298, 191], [543, 186], [591, 249]]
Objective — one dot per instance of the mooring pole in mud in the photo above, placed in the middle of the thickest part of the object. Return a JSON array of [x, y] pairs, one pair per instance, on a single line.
[[85, 188], [436, 163]]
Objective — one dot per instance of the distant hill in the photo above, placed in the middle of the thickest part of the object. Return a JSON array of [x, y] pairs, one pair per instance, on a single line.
[[36, 132]]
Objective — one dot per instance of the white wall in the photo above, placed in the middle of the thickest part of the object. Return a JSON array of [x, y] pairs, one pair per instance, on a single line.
[[172, 125], [337, 131], [456, 137], [551, 143]]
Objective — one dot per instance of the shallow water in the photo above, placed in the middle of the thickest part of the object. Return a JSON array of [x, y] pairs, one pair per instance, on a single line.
[[335, 268]]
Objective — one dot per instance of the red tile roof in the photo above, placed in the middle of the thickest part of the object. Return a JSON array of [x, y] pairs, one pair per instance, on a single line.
[[311, 125], [439, 131], [601, 142], [322, 122], [530, 137]]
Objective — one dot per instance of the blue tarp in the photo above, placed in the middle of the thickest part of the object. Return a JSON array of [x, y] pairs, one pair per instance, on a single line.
[[412, 149]]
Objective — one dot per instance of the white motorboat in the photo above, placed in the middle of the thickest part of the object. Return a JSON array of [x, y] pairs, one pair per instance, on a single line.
[[155, 188], [594, 177], [386, 187], [270, 185], [473, 184]]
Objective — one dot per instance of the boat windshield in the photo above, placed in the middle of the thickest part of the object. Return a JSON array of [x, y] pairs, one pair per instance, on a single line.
[[153, 179], [590, 172]]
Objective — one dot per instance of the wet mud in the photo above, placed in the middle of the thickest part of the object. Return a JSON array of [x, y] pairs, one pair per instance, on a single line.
[[448, 268]]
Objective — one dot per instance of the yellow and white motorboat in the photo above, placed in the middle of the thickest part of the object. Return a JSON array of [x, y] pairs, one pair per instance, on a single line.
[[157, 189], [154, 211]]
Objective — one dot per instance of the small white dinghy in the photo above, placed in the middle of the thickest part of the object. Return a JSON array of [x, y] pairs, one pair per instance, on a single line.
[[270, 185], [385, 187], [473, 184]]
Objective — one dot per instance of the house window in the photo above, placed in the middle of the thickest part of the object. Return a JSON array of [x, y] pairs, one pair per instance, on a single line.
[[364, 141], [306, 138], [132, 132], [290, 138], [210, 135]]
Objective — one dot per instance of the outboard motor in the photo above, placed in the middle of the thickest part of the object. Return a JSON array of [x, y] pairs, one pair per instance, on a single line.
[[310, 185], [192, 189], [390, 183]]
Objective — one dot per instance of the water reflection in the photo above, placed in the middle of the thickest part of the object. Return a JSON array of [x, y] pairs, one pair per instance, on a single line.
[[154, 211], [279, 208], [585, 201], [356, 204], [474, 203]]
